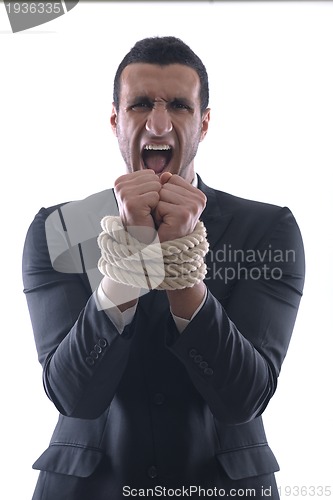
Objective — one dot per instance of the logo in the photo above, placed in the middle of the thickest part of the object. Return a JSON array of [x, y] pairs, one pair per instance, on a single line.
[[71, 235], [26, 15]]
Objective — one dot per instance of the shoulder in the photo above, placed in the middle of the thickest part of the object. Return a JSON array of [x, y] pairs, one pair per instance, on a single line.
[[93, 207], [251, 220], [59, 227], [241, 210], [234, 204]]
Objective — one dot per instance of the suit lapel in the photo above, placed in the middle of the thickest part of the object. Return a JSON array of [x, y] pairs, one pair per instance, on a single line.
[[216, 222]]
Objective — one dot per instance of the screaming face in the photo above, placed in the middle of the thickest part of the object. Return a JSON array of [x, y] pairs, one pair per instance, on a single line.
[[159, 124]]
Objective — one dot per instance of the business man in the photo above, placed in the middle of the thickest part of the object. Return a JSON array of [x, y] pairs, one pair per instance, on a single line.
[[161, 391]]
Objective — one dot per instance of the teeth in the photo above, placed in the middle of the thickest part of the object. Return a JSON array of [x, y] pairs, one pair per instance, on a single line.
[[157, 147]]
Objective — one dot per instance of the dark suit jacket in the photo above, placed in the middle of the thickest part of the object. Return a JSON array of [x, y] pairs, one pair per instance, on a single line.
[[152, 406]]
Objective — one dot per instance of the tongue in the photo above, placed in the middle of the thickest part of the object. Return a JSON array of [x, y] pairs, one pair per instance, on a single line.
[[155, 160]]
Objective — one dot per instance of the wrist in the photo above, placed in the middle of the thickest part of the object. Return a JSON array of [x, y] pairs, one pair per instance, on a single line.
[[184, 302], [121, 295]]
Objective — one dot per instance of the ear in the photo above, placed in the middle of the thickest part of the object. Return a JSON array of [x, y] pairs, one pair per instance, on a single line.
[[204, 123], [113, 119]]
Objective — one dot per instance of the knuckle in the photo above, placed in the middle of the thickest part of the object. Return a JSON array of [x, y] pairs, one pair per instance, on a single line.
[[155, 196], [183, 215], [119, 188], [156, 187], [203, 198], [120, 180]]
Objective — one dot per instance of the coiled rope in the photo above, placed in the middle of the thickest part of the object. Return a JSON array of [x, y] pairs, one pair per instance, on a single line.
[[170, 265]]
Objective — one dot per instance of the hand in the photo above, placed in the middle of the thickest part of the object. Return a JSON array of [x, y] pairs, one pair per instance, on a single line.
[[137, 194], [179, 207]]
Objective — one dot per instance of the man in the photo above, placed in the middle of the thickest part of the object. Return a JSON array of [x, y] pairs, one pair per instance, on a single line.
[[160, 392]]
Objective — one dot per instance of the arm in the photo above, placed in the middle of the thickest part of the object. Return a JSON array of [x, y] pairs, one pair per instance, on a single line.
[[184, 302], [82, 354], [81, 351], [233, 352]]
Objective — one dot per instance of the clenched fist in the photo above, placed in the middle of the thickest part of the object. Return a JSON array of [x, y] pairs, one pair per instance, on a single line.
[[179, 207], [168, 204], [137, 195]]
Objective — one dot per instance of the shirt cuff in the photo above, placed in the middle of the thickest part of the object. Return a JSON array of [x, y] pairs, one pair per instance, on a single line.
[[118, 318], [181, 323]]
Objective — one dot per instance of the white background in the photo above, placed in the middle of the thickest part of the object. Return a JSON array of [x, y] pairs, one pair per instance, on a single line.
[[270, 139]]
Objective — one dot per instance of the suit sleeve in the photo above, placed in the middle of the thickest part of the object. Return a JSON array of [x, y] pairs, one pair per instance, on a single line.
[[233, 349], [81, 352]]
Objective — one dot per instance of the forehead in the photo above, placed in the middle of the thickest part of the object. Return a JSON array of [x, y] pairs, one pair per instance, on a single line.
[[166, 82]]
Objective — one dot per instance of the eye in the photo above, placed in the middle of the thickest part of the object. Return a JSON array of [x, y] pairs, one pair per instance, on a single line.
[[179, 105], [141, 105]]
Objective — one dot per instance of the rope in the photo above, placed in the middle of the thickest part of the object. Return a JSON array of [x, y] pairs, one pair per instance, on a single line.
[[170, 265]]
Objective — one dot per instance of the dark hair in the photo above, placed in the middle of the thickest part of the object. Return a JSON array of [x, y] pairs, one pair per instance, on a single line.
[[163, 51]]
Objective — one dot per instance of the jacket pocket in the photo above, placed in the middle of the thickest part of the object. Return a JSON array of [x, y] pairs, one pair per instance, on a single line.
[[248, 462], [69, 459]]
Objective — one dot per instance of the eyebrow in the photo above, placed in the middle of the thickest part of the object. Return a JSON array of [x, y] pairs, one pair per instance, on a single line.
[[175, 100], [141, 98]]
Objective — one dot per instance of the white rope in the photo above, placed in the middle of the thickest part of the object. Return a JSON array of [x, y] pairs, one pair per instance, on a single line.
[[170, 265]]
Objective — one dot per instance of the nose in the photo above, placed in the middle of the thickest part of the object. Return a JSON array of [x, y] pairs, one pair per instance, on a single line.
[[159, 122]]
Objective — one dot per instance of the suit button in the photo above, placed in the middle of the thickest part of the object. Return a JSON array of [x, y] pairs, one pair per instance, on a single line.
[[94, 354], [193, 353], [208, 371], [203, 364], [97, 348], [197, 358], [102, 343], [159, 398], [90, 361], [152, 472]]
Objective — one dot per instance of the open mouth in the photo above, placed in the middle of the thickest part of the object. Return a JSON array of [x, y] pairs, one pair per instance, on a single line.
[[156, 157]]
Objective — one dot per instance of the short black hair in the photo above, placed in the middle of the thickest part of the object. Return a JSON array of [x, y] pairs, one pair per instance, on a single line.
[[163, 51]]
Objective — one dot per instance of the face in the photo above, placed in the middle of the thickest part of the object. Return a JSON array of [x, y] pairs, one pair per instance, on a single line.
[[159, 123]]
